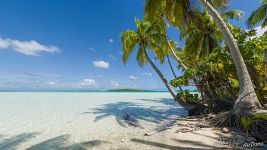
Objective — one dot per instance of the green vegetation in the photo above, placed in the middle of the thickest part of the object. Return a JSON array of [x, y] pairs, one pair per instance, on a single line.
[[246, 122], [188, 97], [259, 15], [227, 64]]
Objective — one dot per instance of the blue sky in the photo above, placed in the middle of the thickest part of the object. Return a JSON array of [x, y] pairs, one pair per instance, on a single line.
[[68, 45]]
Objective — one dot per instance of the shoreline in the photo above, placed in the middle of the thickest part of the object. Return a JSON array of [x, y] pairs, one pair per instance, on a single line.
[[97, 121]]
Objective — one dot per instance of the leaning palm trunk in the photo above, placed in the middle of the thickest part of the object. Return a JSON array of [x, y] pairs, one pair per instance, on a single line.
[[173, 72], [200, 89], [171, 90], [176, 57], [247, 100], [169, 87]]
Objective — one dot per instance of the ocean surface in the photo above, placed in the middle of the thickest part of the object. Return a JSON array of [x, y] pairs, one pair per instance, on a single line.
[[47, 120]]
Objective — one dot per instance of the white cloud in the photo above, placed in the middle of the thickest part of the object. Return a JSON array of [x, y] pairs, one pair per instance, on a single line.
[[111, 40], [114, 84], [52, 83], [101, 64], [117, 85], [260, 31], [91, 48], [28, 80], [148, 74], [133, 77], [31, 48], [87, 83], [4, 43], [112, 57]]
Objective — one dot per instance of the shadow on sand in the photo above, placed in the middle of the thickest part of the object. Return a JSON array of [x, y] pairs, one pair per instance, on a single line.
[[153, 112], [14, 141], [56, 143], [135, 112], [61, 143], [172, 147]]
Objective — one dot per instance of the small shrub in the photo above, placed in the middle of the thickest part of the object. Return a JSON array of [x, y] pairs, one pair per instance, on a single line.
[[246, 123], [187, 96]]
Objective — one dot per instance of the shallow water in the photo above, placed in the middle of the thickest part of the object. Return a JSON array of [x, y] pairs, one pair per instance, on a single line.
[[51, 120]]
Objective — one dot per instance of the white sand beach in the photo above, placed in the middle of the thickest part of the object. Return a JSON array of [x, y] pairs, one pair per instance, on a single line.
[[61, 120]]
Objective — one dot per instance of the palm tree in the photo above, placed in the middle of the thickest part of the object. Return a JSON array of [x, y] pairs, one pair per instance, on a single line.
[[179, 13], [247, 100], [173, 72], [206, 38], [146, 37], [201, 36], [259, 15]]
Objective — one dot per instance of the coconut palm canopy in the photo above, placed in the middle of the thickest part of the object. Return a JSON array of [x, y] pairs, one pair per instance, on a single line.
[[37, 39]]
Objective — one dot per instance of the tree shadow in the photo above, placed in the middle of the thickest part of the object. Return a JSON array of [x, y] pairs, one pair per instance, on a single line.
[[94, 143], [195, 144], [134, 112], [164, 101], [1, 136], [13, 142], [167, 103], [61, 143], [172, 147]]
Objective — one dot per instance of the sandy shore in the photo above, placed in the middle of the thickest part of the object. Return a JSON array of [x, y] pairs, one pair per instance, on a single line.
[[101, 121]]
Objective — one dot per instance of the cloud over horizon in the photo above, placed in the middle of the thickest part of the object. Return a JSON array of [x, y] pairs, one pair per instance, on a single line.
[[114, 84], [132, 77], [101, 64], [27, 80], [87, 83], [30, 48], [52, 83]]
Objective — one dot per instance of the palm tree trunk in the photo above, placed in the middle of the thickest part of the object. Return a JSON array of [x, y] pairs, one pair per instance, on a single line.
[[247, 100], [169, 87], [185, 68], [176, 57], [180, 88]]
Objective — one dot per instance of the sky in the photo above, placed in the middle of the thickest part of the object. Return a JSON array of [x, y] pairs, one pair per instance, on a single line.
[[75, 44]]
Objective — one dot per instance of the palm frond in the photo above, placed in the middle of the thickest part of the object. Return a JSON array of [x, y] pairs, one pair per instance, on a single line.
[[258, 15], [232, 14], [129, 40], [220, 4], [141, 56], [154, 8]]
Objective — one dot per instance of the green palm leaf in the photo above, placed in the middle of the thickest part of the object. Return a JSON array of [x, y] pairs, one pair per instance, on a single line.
[[141, 57], [129, 41], [259, 15]]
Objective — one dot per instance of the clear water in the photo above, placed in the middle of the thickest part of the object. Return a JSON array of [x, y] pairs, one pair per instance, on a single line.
[[29, 118]]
